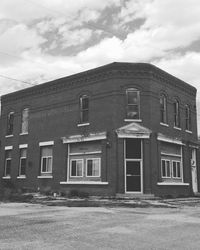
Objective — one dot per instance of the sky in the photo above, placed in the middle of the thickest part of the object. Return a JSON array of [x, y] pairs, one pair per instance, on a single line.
[[41, 40]]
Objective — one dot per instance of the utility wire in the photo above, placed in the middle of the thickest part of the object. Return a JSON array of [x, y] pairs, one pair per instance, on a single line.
[[14, 79]]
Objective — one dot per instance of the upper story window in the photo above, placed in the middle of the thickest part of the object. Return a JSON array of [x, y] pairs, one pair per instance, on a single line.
[[176, 114], [22, 161], [10, 123], [84, 109], [187, 118], [24, 121], [163, 109], [133, 104]]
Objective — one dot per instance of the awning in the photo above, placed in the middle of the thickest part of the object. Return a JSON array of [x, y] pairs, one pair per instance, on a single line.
[[133, 130], [82, 138]]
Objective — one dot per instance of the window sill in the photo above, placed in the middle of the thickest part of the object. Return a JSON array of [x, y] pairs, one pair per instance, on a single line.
[[83, 124], [164, 124], [188, 131], [45, 177], [177, 128], [6, 177], [83, 183], [172, 184], [24, 133], [7, 136], [21, 177], [132, 120]]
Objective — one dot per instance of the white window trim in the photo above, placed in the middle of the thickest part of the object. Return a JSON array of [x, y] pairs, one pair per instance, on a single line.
[[178, 178], [83, 124], [23, 146], [188, 131], [47, 157], [84, 183], [80, 176], [6, 177], [166, 177], [172, 184], [25, 133], [132, 120], [86, 153], [21, 177], [46, 143], [7, 136], [20, 166], [164, 124], [45, 177], [177, 128], [8, 147], [92, 176], [174, 155]]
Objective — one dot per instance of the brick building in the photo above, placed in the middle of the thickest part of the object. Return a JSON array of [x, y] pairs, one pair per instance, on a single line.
[[123, 128]]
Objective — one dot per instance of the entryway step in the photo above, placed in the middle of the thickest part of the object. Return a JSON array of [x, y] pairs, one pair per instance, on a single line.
[[136, 196]]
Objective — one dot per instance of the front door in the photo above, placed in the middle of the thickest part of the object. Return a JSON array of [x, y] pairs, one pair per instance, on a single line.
[[194, 171], [133, 176], [133, 166]]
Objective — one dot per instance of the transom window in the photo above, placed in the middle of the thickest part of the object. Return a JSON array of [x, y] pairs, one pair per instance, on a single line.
[[187, 118], [25, 119], [10, 123], [163, 109], [176, 114], [133, 104], [22, 163], [46, 159], [93, 167], [84, 109], [8, 159], [76, 168]]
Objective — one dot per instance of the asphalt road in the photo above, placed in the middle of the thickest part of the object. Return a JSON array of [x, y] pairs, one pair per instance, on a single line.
[[27, 226]]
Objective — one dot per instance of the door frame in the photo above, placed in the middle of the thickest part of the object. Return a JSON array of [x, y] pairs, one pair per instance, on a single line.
[[194, 170], [141, 168]]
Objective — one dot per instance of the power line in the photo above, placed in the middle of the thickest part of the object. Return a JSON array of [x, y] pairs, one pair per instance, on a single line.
[[14, 79]]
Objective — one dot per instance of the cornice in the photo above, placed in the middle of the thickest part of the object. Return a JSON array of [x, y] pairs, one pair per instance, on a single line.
[[110, 71]]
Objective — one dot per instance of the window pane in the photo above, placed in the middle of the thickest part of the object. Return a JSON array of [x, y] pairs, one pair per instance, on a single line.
[[96, 167], [85, 116], [49, 164], [168, 168], [163, 169], [25, 116], [8, 154], [73, 168], [23, 152], [8, 167], [10, 122], [178, 169], [79, 168], [89, 168], [133, 112], [44, 164], [132, 97], [23, 166], [85, 102], [174, 169]]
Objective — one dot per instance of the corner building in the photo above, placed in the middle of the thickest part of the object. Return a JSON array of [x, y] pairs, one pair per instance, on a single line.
[[120, 129]]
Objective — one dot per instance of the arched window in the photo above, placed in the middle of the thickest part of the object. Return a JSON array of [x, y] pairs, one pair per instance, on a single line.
[[84, 109], [187, 118], [163, 109], [176, 114], [25, 120], [133, 104], [10, 123]]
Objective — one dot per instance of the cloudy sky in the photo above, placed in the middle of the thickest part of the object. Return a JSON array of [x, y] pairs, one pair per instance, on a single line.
[[41, 40]]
